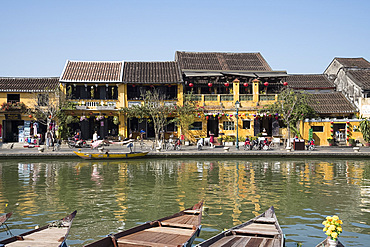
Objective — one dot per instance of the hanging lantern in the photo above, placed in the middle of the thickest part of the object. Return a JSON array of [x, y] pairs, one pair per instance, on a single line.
[[30, 116], [227, 84], [285, 83], [91, 113], [133, 85], [245, 84], [347, 139], [219, 117], [210, 84], [331, 130], [347, 122], [266, 84], [110, 113], [231, 115], [49, 116], [169, 85], [276, 118], [207, 117], [191, 84], [331, 122]]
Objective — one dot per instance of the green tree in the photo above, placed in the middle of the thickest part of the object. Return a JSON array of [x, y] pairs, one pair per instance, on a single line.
[[185, 115], [365, 129], [155, 108], [46, 105], [292, 106]]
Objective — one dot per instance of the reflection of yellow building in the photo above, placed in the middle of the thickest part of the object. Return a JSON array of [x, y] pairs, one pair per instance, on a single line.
[[121, 192]]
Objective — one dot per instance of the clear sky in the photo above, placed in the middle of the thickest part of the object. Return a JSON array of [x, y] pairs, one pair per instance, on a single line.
[[299, 36]]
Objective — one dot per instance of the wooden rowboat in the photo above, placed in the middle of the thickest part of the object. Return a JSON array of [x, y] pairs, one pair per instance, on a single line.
[[53, 234], [179, 229], [4, 218], [263, 230], [110, 156], [325, 243]]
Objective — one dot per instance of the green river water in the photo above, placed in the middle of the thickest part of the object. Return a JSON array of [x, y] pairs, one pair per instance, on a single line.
[[113, 196]]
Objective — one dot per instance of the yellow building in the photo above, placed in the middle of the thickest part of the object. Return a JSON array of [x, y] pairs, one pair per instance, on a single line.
[[96, 92], [18, 98]]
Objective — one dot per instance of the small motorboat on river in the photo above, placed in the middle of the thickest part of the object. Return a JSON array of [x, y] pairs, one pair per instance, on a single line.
[[53, 234], [179, 229], [263, 230], [110, 156]]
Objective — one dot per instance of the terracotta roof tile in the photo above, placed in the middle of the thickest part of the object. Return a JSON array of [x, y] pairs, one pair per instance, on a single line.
[[326, 103], [221, 61], [85, 71], [361, 78], [309, 81], [152, 72], [354, 62], [28, 84]]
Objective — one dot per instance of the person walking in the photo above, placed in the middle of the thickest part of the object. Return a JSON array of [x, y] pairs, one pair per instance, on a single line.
[[95, 136]]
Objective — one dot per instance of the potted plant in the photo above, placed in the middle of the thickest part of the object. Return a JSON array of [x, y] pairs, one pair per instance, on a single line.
[[330, 141], [365, 130], [332, 228], [229, 141], [219, 139], [351, 142]]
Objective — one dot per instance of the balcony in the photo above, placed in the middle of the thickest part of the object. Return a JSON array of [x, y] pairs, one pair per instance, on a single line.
[[95, 105]]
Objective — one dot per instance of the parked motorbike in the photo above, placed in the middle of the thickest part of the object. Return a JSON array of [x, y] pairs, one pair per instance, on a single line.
[[310, 146], [77, 144], [200, 143], [247, 145]]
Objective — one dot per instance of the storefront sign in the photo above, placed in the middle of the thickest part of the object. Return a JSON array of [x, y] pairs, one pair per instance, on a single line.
[[13, 116], [365, 110]]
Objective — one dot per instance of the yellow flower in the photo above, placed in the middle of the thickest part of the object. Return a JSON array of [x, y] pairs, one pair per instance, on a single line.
[[332, 227], [334, 235], [328, 218], [339, 229], [325, 229], [328, 232], [335, 217], [340, 222], [324, 222]]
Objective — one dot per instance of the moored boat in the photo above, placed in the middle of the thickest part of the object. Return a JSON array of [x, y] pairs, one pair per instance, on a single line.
[[179, 229], [263, 230], [4, 218], [110, 156], [325, 243], [52, 234]]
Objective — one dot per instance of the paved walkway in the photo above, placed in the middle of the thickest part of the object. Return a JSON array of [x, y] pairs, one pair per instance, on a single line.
[[188, 151]]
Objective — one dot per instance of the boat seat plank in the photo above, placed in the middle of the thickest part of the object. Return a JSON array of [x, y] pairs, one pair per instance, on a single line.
[[160, 235], [184, 219], [170, 230], [50, 236], [192, 211], [265, 220], [178, 225], [137, 243], [256, 232]]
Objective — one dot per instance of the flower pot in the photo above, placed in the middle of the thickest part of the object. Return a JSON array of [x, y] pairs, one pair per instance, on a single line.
[[332, 243]]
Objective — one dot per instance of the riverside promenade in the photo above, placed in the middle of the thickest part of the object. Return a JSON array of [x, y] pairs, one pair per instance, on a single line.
[[8, 151]]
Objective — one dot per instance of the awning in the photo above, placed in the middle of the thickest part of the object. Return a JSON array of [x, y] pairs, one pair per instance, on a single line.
[[246, 74], [271, 74], [202, 74]]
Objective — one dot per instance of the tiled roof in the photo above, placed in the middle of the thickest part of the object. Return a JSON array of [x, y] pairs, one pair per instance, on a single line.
[[353, 62], [309, 81], [326, 103], [85, 71], [28, 84], [221, 61], [152, 72], [361, 78]]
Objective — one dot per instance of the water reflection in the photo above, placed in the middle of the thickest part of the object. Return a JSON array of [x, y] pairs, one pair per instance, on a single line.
[[112, 196]]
